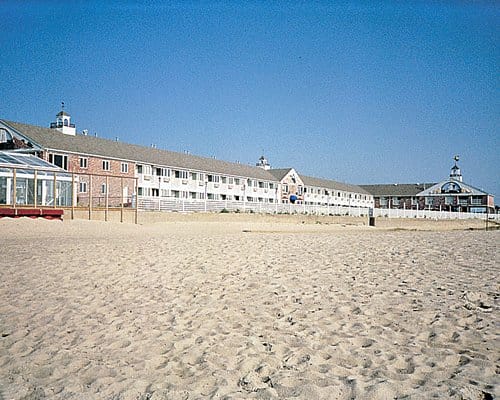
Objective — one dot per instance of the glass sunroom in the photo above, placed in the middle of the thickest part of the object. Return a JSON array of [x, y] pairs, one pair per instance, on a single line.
[[26, 180]]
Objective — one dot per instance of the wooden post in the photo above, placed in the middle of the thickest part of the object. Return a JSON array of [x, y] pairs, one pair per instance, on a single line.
[[14, 184], [90, 197], [136, 200], [35, 194], [73, 196], [55, 190], [106, 200], [121, 208]]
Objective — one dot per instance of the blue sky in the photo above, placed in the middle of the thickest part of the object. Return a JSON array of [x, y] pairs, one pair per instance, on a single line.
[[360, 92]]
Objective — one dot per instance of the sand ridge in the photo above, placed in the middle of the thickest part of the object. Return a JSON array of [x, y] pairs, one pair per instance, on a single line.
[[197, 309]]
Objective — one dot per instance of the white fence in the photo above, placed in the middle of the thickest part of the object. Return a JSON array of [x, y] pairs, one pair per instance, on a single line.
[[395, 213], [187, 205]]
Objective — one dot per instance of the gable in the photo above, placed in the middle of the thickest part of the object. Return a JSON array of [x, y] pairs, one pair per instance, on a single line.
[[451, 187]]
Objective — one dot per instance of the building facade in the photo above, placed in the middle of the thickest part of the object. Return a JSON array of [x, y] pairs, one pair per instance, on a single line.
[[451, 194]]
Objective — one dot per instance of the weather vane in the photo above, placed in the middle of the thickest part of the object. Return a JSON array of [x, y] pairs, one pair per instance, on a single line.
[[62, 104], [456, 158]]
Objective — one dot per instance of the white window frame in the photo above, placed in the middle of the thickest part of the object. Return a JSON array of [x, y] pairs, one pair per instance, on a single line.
[[124, 168], [84, 162], [106, 165]]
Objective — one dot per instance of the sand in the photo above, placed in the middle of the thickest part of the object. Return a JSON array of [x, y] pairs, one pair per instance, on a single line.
[[249, 309]]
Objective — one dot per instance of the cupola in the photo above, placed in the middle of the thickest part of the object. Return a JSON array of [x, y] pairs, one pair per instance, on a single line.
[[63, 122], [455, 173]]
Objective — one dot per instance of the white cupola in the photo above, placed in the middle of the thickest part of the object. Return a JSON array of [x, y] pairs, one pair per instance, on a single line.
[[63, 122], [263, 163]]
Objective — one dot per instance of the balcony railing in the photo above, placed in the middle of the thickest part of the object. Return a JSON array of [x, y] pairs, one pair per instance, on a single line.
[[54, 125]]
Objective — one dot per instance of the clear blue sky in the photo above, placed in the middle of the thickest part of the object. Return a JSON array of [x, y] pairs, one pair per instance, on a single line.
[[361, 92]]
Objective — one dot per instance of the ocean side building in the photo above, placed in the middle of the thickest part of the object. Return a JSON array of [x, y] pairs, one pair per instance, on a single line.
[[150, 172], [451, 194]]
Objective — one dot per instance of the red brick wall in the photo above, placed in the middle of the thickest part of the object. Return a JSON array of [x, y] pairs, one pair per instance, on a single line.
[[114, 181]]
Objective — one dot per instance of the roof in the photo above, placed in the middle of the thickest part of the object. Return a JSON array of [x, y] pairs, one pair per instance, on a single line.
[[279, 173], [28, 161], [397, 189], [62, 114], [465, 189], [330, 184], [52, 139]]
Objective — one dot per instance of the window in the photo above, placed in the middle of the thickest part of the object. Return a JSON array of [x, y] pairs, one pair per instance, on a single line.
[[59, 160], [213, 178], [285, 188], [194, 176], [103, 188], [224, 179], [163, 172], [429, 201], [383, 201], [5, 136], [139, 169], [236, 181], [271, 185], [105, 165], [201, 177], [83, 187], [124, 168], [230, 180], [84, 162], [165, 193], [395, 201], [476, 200], [181, 174]]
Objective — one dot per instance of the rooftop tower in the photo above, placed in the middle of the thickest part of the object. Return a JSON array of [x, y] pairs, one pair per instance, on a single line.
[[63, 122], [455, 173], [263, 163]]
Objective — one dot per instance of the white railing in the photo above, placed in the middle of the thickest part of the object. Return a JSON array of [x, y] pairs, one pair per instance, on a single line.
[[191, 205], [398, 213]]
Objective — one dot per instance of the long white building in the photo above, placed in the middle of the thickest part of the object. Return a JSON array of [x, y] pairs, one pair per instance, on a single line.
[[155, 173]]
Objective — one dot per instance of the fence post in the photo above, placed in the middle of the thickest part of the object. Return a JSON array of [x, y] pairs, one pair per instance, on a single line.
[[55, 190], [121, 208], [106, 200], [35, 194], [14, 185], [136, 189], [72, 195], [90, 198]]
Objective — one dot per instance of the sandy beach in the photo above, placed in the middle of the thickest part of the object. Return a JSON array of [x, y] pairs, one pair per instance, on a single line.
[[247, 309]]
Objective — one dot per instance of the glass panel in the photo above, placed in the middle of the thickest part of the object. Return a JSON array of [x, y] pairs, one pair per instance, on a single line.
[[3, 189]]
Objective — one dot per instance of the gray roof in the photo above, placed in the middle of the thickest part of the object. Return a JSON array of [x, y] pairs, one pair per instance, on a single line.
[[279, 173], [469, 189], [330, 184], [62, 114], [52, 139], [397, 189], [319, 182]]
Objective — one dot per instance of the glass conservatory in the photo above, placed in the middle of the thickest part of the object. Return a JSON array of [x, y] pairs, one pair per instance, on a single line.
[[26, 180]]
